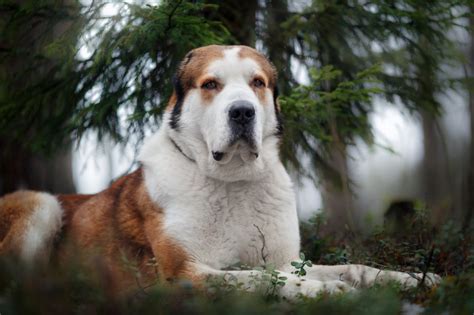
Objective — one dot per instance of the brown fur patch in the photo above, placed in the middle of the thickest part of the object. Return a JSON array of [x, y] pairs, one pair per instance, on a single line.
[[171, 102], [117, 234], [261, 92], [268, 68], [268, 75], [120, 229], [15, 209], [70, 203], [192, 71], [193, 67], [206, 94]]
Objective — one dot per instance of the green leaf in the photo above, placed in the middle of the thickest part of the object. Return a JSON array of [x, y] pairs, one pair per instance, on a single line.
[[298, 265]]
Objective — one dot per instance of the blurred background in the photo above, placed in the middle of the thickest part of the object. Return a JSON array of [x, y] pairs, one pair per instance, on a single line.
[[377, 96]]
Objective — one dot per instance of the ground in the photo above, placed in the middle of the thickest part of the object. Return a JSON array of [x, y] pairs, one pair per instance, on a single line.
[[446, 250]]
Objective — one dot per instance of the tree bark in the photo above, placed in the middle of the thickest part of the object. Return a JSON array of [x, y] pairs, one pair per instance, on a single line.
[[240, 19], [21, 168], [469, 192], [277, 45], [336, 193], [436, 177]]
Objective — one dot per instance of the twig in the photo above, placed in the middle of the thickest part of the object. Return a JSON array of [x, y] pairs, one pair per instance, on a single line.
[[427, 265], [262, 237]]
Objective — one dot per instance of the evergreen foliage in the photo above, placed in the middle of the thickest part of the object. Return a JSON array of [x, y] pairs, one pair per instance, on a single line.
[[123, 85], [112, 75], [309, 112], [408, 39], [135, 54], [36, 98]]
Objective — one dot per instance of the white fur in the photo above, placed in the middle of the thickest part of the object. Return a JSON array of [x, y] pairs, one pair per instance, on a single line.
[[41, 227], [218, 221], [203, 129], [294, 285], [238, 211]]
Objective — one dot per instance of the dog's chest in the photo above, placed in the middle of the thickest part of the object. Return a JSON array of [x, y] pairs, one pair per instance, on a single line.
[[235, 223]]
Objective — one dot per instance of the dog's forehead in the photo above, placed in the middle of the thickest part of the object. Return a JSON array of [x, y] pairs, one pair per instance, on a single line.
[[232, 64], [223, 61]]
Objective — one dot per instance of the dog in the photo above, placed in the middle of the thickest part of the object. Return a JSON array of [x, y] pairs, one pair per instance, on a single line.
[[210, 192]]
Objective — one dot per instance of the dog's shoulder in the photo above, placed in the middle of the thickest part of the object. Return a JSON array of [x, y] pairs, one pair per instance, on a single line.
[[122, 207]]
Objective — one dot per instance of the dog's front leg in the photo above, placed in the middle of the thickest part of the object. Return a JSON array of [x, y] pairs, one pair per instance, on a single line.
[[254, 280], [364, 276]]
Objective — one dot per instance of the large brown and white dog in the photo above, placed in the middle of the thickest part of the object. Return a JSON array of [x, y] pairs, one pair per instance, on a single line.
[[211, 192]]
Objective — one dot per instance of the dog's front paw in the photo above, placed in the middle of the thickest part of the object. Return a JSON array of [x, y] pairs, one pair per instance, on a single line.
[[431, 279], [311, 288], [410, 280]]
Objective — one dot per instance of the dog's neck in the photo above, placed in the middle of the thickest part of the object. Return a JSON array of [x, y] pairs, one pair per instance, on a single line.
[[180, 150]]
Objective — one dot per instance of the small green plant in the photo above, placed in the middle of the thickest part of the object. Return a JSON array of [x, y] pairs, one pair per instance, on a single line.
[[225, 285], [268, 281], [276, 282], [299, 266]]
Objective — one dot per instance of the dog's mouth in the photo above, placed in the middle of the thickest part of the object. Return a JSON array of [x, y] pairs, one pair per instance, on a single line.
[[225, 157], [242, 143], [247, 150]]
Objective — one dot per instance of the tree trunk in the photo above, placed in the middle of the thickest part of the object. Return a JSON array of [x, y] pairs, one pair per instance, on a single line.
[[469, 191], [336, 193], [20, 168], [240, 19], [436, 177], [277, 45]]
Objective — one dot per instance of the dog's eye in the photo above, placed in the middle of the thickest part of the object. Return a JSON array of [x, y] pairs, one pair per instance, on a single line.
[[209, 85], [258, 83]]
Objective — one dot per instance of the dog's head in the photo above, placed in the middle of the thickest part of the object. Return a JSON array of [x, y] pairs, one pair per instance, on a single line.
[[223, 113]]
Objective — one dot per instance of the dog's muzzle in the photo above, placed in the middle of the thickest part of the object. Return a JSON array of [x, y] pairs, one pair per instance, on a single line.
[[241, 114], [241, 119]]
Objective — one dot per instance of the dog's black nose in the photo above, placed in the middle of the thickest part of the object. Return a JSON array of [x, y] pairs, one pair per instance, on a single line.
[[242, 112]]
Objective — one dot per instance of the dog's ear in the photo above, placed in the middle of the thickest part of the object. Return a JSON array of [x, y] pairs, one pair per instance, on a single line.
[[187, 58], [176, 100], [276, 93]]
